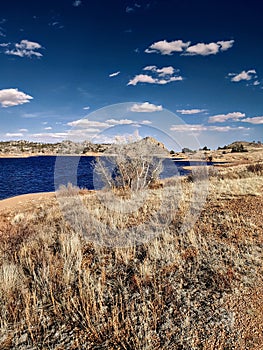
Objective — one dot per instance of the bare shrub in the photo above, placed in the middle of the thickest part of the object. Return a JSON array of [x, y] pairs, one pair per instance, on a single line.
[[134, 166]]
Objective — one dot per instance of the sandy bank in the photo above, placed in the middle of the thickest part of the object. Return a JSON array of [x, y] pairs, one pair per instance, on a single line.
[[22, 200]]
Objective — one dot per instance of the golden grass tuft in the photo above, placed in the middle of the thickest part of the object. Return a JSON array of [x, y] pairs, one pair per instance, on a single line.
[[183, 289]]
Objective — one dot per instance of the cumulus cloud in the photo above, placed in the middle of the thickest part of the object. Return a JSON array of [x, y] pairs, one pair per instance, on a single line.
[[142, 78], [208, 49], [254, 120], [159, 76], [244, 75], [82, 127], [115, 74], [190, 111], [112, 122], [13, 97], [23, 130], [221, 118], [84, 123], [168, 48], [146, 107], [225, 45], [169, 80], [162, 72], [25, 49]]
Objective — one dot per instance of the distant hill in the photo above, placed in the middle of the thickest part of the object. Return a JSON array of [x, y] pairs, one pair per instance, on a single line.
[[244, 143], [23, 147]]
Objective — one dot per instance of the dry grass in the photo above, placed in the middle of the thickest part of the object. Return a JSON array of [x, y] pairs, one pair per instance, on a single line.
[[182, 289]]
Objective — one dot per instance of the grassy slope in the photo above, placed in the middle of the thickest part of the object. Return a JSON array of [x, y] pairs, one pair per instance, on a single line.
[[195, 289]]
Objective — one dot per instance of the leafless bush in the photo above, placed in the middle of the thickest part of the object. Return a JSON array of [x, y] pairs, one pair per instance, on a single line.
[[133, 166]]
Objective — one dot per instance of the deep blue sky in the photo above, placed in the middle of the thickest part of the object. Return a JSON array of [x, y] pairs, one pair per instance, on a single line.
[[59, 57]]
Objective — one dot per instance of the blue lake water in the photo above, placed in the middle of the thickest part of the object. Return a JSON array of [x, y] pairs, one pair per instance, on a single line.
[[36, 174]]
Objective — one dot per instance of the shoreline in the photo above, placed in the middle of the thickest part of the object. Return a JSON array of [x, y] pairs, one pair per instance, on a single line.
[[20, 200], [30, 155]]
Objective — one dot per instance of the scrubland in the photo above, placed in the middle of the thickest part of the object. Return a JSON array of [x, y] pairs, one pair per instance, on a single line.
[[195, 283]]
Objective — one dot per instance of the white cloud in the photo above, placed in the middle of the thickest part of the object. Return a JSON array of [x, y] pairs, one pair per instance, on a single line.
[[31, 115], [115, 74], [23, 130], [244, 75], [190, 111], [15, 134], [50, 136], [167, 48], [4, 44], [254, 120], [162, 72], [25, 49], [203, 49], [13, 97], [84, 131], [112, 122], [221, 118], [77, 3], [142, 78], [170, 80], [146, 107], [84, 123], [188, 127], [159, 76], [200, 127], [226, 128], [209, 49], [82, 126], [225, 45], [28, 45], [86, 108], [48, 128]]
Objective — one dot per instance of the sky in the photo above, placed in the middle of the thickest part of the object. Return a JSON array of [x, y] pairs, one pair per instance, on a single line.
[[82, 69]]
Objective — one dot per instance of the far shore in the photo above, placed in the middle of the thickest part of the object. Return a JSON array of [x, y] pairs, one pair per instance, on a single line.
[[28, 155]]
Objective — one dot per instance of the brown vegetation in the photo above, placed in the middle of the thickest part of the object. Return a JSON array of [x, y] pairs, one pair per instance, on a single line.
[[199, 288]]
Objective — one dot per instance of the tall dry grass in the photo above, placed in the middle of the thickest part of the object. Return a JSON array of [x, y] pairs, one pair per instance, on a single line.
[[180, 289]]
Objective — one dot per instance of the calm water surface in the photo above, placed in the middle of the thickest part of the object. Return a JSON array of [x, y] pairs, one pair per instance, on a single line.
[[36, 174]]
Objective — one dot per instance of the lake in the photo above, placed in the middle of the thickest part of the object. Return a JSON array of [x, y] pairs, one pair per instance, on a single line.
[[36, 174]]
